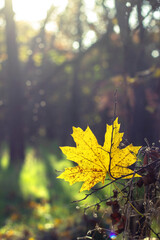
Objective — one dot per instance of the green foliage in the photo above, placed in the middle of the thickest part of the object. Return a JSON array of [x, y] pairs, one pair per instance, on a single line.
[[33, 181]]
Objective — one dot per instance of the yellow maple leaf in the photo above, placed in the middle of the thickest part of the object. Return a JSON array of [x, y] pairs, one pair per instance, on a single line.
[[95, 161]]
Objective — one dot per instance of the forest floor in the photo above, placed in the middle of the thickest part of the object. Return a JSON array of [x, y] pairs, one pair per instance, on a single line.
[[34, 204]]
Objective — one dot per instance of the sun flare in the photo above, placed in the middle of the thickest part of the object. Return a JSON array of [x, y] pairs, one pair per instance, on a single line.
[[35, 10]]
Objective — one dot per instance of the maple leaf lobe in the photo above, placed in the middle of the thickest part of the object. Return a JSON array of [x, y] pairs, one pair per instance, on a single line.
[[95, 161]]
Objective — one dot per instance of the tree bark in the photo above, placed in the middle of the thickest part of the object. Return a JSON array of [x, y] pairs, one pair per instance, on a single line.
[[14, 89]]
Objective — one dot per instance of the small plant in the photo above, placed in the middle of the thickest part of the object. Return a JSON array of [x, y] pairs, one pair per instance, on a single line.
[[134, 203]]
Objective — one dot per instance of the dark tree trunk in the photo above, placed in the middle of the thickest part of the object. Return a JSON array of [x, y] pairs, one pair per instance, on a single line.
[[75, 91], [15, 94], [74, 112]]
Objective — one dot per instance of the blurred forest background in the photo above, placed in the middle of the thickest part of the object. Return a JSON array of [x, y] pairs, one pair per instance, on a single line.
[[63, 70]]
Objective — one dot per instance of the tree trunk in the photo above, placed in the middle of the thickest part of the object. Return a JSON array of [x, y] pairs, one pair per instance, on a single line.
[[14, 89]]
